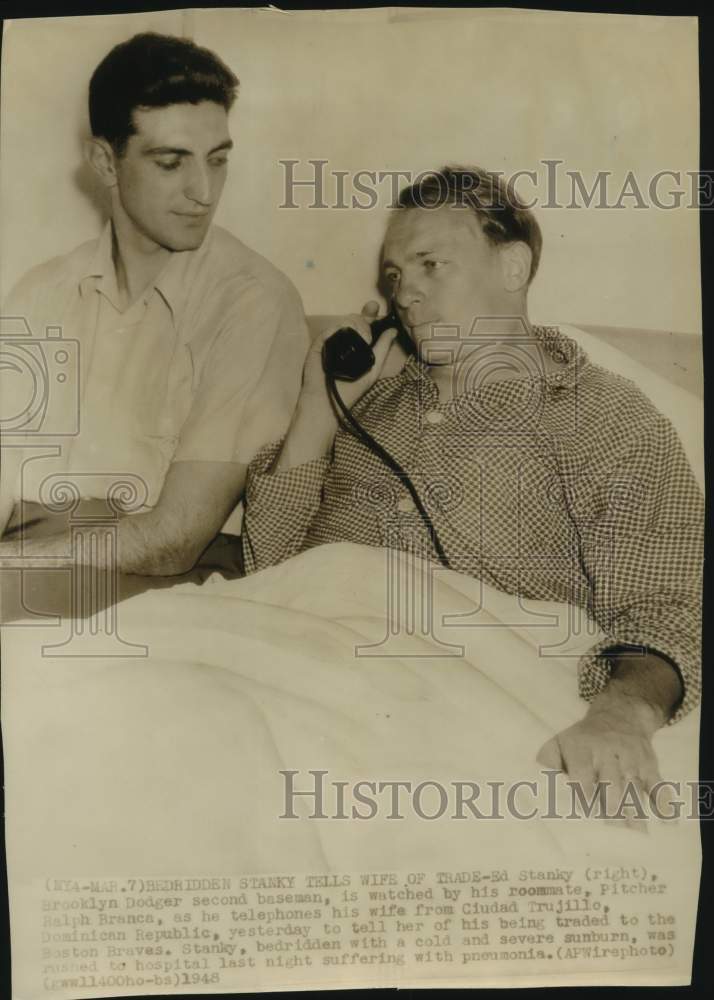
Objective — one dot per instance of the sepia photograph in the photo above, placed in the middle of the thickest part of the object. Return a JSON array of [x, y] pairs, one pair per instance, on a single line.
[[351, 499]]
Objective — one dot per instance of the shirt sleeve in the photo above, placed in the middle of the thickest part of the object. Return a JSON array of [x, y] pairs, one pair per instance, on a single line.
[[279, 507], [641, 530], [250, 379]]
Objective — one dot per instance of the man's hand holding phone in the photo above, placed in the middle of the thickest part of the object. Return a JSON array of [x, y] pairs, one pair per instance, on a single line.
[[315, 422]]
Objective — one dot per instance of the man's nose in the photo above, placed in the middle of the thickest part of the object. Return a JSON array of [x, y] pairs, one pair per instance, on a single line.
[[408, 292], [198, 187]]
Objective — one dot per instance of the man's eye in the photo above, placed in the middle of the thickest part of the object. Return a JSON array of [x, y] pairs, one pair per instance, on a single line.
[[168, 164], [391, 276], [433, 265], [218, 161]]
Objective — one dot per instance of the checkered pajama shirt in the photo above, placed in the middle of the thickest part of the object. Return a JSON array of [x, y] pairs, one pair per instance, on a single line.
[[568, 486]]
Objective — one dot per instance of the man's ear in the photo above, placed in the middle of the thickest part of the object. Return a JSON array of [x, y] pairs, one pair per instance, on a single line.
[[516, 265], [102, 159]]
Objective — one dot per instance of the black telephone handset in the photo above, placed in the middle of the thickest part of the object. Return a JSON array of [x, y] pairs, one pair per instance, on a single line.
[[347, 356]]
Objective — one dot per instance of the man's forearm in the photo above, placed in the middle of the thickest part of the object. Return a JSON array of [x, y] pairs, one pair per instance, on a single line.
[[143, 547], [310, 435], [149, 546], [645, 684]]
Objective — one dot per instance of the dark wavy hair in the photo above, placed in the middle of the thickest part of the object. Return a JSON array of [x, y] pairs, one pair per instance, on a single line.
[[153, 71], [502, 216]]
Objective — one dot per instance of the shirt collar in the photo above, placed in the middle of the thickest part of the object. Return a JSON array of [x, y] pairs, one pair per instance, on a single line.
[[559, 347], [99, 271], [175, 280], [172, 283]]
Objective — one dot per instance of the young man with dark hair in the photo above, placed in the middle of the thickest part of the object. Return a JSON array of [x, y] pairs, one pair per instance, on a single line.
[[190, 345], [540, 473]]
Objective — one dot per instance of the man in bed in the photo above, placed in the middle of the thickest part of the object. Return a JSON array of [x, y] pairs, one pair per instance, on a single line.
[[182, 348], [539, 472]]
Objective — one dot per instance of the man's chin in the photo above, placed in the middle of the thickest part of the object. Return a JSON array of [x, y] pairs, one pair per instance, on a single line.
[[193, 242], [434, 330], [420, 332], [435, 348]]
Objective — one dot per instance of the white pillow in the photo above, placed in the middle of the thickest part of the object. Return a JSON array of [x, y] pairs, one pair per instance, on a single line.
[[684, 409]]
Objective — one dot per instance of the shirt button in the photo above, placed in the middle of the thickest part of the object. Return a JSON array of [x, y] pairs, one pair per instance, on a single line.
[[434, 417], [405, 505]]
